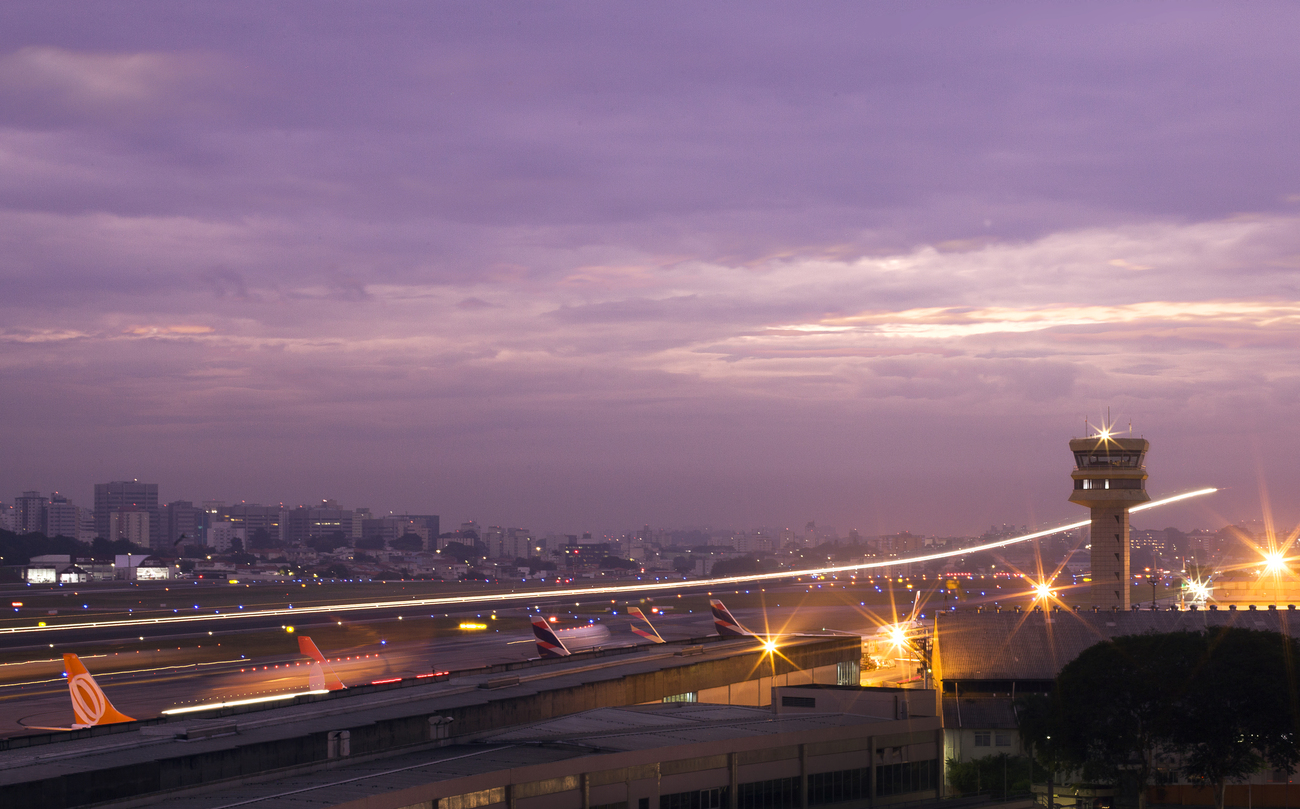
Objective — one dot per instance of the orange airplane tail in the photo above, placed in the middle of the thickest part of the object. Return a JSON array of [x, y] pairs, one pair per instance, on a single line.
[[323, 677], [89, 703]]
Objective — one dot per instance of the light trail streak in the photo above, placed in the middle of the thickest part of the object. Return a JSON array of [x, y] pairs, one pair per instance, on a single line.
[[234, 702], [533, 595], [105, 675]]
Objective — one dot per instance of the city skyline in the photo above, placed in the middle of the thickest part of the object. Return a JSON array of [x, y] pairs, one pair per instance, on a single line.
[[591, 267]]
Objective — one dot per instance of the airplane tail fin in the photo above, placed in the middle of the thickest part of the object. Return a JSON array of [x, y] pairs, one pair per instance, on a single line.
[[322, 676], [89, 704], [649, 633], [725, 622], [548, 643]]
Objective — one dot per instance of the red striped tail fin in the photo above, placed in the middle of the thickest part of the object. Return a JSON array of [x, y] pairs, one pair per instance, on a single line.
[[649, 633], [548, 643], [726, 623]]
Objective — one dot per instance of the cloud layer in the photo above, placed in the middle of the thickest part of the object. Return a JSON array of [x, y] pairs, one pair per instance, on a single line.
[[586, 267]]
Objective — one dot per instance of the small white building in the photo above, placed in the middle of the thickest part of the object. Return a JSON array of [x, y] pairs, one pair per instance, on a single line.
[[141, 567]]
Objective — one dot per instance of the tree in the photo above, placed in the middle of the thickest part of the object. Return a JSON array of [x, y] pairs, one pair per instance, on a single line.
[[262, 538], [408, 542], [327, 542], [371, 543], [1116, 708], [615, 563], [683, 565], [336, 571], [1044, 733], [461, 553], [1239, 711], [998, 775], [1217, 704]]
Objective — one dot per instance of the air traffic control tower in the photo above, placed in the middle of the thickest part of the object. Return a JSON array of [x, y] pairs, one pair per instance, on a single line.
[[1109, 478]]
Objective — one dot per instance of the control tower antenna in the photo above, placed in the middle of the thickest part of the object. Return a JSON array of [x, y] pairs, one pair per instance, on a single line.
[[1109, 478]]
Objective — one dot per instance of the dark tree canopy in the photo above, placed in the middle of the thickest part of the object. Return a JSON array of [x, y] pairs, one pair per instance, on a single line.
[[327, 542], [408, 542], [1216, 705]]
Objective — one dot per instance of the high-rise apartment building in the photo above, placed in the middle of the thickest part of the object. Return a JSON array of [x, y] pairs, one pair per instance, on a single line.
[[29, 513], [259, 523], [61, 518], [182, 517], [324, 520], [127, 494], [132, 524]]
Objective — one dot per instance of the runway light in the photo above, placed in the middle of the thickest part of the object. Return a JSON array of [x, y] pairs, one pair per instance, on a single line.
[[288, 629], [1042, 590], [1274, 562], [769, 646]]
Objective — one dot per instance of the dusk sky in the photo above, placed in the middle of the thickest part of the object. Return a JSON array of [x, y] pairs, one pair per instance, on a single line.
[[586, 266]]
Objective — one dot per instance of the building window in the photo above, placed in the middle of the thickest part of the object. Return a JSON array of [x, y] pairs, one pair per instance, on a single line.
[[696, 799], [779, 793], [689, 696], [839, 786], [899, 779], [983, 738], [1002, 739]]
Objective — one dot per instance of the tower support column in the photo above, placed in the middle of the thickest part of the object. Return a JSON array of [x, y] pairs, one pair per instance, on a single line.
[[1110, 558]]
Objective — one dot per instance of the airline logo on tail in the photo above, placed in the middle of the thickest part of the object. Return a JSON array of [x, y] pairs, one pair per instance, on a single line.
[[548, 644], [322, 677], [726, 623], [90, 705], [649, 633]]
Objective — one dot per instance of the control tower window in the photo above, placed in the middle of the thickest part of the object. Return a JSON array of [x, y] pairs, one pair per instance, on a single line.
[[1092, 460], [1122, 483]]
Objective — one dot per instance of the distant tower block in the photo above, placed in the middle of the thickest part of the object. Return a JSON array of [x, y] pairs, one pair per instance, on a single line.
[[1109, 478]]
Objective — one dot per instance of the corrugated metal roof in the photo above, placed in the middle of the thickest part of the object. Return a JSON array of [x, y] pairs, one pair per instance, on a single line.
[[975, 646], [639, 728]]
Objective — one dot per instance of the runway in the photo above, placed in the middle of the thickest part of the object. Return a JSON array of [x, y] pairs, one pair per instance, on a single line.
[[34, 693]]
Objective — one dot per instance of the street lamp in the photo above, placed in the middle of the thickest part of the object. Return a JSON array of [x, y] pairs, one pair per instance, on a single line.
[[1151, 580]]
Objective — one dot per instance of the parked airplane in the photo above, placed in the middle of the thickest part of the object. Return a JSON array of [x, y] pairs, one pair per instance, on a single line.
[[90, 706], [649, 633], [321, 676]]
